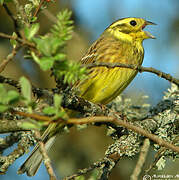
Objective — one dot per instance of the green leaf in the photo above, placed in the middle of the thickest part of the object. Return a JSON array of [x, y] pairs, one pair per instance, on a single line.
[[3, 108], [9, 97], [60, 114], [43, 45], [70, 71], [63, 28], [48, 45], [60, 57], [12, 97], [25, 88], [31, 125], [57, 101], [31, 31], [13, 41], [35, 58], [33, 19], [46, 63], [49, 110]]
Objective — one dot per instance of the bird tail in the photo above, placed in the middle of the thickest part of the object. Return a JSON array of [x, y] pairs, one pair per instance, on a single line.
[[32, 163]]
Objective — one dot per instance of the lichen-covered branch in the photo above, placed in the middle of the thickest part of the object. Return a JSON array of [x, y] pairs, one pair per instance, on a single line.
[[13, 125], [161, 120], [23, 146]]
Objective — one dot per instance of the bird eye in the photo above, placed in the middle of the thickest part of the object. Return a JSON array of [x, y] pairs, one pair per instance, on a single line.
[[133, 23]]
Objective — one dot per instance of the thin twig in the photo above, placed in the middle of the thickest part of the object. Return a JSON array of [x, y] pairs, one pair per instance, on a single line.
[[13, 19], [38, 8], [8, 58], [85, 170], [33, 116], [23, 42], [138, 68], [141, 160], [46, 159]]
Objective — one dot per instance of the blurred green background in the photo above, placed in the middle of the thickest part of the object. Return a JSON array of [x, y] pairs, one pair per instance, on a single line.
[[80, 148]]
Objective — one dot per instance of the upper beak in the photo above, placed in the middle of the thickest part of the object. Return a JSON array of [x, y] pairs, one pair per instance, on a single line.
[[148, 33], [150, 23]]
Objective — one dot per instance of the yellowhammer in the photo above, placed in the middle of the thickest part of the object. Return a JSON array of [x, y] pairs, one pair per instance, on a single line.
[[121, 42]]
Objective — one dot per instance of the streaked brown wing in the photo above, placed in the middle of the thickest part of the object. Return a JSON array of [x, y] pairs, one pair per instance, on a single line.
[[106, 49]]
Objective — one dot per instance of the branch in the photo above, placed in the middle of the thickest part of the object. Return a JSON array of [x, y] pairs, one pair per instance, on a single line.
[[8, 58], [22, 41], [102, 164], [13, 19], [45, 157], [14, 125], [127, 125], [38, 8], [98, 119], [98, 111], [138, 68], [8, 141], [141, 160], [22, 147]]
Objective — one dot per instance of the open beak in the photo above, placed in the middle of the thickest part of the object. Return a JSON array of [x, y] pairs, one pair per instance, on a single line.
[[148, 33]]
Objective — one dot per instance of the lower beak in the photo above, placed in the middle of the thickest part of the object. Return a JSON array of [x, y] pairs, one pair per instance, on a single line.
[[148, 33]]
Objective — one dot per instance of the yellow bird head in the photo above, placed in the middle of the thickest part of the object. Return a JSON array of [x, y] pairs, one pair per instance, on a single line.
[[130, 29]]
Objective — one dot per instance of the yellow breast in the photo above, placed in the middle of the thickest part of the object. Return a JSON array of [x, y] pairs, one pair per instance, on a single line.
[[104, 84]]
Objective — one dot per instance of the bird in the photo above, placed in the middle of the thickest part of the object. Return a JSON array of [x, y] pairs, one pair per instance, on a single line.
[[121, 42]]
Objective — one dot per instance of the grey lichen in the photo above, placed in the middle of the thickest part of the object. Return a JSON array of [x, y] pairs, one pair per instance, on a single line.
[[161, 120]]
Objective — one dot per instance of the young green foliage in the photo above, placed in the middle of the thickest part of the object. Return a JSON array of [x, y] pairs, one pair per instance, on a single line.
[[50, 48], [13, 41], [56, 111], [71, 71], [7, 98], [25, 89], [30, 32], [63, 28]]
